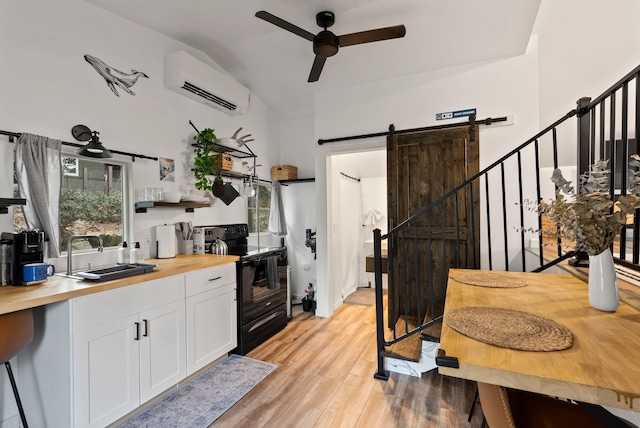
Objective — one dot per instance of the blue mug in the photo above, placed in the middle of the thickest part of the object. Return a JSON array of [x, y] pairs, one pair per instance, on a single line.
[[37, 272]]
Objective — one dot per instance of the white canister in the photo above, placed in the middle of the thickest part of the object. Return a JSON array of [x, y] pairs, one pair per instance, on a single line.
[[165, 241], [198, 240]]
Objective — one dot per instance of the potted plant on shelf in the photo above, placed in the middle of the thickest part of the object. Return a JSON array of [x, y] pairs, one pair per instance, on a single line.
[[590, 219], [206, 156]]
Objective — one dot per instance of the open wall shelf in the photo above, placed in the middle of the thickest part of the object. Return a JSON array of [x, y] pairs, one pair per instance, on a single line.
[[233, 152], [6, 202], [141, 207], [298, 180]]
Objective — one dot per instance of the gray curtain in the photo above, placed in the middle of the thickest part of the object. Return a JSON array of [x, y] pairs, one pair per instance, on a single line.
[[39, 175], [277, 222]]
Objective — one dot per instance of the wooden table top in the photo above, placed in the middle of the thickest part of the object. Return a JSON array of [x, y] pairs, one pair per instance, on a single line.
[[58, 288], [601, 367]]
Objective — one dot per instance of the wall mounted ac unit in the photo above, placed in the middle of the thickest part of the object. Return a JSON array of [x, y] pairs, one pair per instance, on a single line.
[[193, 78]]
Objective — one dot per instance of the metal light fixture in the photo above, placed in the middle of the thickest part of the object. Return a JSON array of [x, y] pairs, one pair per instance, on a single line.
[[94, 149]]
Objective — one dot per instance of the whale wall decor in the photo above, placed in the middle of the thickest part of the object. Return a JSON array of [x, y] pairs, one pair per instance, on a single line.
[[115, 77]]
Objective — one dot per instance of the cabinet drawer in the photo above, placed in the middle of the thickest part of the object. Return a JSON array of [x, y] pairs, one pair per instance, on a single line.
[[211, 278], [100, 308]]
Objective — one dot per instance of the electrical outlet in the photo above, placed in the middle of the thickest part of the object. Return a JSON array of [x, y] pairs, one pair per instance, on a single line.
[[147, 241]]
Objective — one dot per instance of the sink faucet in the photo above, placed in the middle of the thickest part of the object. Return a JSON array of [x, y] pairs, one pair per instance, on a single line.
[[70, 248]]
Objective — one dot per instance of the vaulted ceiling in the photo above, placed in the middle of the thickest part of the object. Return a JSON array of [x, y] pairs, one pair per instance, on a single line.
[[275, 64]]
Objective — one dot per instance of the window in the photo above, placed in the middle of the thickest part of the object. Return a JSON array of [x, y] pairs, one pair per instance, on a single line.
[[91, 201], [258, 209]]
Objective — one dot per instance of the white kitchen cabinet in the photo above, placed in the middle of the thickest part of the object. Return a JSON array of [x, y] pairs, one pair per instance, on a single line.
[[120, 362], [106, 373], [211, 326], [212, 321], [85, 367], [162, 349]]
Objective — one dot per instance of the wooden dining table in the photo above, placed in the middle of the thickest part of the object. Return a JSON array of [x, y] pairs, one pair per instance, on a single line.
[[601, 367]]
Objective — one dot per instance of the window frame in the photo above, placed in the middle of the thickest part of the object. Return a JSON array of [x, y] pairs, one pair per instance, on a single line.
[[127, 192], [256, 211]]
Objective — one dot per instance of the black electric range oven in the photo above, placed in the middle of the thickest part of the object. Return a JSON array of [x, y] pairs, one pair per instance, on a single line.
[[261, 275]]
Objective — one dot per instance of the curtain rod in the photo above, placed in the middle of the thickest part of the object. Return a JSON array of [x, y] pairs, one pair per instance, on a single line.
[[487, 121], [352, 178], [13, 135]]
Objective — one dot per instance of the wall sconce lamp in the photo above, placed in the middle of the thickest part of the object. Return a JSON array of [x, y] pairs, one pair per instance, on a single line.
[[94, 149]]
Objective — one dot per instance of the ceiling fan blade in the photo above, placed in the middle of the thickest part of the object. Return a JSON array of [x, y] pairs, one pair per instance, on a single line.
[[385, 33], [285, 25], [316, 69]]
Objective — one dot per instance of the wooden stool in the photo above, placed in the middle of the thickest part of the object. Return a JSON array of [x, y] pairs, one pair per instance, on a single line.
[[16, 332]]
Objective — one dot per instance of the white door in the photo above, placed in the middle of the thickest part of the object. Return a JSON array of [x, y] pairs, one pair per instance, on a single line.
[[162, 349], [106, 372], [212, 326]]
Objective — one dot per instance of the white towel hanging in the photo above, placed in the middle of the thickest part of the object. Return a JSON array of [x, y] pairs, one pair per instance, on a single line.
[[372, 217]]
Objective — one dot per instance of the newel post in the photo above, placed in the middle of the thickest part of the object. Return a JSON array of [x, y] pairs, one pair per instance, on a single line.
[[377, 263], [583, 161], [584, 135]]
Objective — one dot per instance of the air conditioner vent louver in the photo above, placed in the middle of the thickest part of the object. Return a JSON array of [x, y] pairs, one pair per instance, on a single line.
[[205, 84], [209, 96]]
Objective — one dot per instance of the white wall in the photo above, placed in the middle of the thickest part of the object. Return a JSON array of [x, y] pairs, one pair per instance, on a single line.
[[585, 47], [47, 87], [299, 206]]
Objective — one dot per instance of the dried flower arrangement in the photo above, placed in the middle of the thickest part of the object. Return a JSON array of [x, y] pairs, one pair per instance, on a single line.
[[590, 218]]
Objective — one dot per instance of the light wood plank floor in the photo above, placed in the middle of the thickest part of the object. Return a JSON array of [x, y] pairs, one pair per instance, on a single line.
[[325, 379]]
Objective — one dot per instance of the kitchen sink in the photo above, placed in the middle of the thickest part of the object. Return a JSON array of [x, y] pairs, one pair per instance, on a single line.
[[115, 272]]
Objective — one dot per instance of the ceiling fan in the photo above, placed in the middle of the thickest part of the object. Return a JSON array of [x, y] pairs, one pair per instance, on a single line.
[[325, 43]]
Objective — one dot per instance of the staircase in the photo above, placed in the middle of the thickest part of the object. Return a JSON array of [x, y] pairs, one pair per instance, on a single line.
[[510, 228]]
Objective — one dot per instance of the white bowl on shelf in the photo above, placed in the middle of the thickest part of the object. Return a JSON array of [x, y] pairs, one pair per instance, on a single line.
[[171, 197]]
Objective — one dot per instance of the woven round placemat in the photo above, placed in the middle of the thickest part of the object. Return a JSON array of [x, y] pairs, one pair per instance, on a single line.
[[488, 279], [509, 328]]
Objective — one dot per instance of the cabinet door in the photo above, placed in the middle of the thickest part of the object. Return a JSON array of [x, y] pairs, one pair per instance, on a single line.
[[106, 372], [212, 326], [162, 349]]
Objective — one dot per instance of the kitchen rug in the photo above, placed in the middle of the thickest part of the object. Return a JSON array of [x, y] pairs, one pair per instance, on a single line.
[[204, 399]]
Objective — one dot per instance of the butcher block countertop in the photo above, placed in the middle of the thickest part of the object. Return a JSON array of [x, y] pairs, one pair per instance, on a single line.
[[58, 288]]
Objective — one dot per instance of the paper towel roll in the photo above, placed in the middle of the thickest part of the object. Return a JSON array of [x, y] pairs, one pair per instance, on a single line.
[[198, 240], [166, 241]]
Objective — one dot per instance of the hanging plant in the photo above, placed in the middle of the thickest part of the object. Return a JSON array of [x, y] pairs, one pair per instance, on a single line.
[[206, 156]]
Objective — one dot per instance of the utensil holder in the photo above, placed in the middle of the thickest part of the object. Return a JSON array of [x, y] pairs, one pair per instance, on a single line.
[[186, 246]]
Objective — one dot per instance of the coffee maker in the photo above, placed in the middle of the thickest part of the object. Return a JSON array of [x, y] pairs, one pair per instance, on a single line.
[[28, 246]]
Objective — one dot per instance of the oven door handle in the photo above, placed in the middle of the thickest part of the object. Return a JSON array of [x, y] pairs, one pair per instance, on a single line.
[[265, 320], [252, 262]]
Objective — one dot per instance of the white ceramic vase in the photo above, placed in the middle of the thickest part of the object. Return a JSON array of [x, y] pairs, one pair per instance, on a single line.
[[603, 284]]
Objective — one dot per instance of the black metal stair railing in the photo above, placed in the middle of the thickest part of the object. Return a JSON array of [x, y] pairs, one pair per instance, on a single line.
[[510, 189]]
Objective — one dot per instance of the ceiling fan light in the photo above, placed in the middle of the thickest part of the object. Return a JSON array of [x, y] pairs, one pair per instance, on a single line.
[[325, 44]]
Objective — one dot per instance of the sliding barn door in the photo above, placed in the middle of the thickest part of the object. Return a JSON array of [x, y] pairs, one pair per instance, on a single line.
[[422, 167]]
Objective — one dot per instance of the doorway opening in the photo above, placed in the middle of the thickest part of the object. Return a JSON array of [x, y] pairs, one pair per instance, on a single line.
[[357, 201]]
